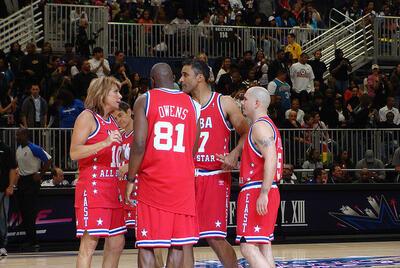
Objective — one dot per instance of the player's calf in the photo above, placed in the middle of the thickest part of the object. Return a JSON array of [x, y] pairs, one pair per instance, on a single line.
[[253, 255], [225, 252]]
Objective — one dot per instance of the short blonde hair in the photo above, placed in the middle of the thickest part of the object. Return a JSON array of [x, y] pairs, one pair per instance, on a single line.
[[98, 91]]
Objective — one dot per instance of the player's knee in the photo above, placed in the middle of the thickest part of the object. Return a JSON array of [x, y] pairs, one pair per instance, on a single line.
[[86, 252], [146, 258], [215, 241], [87, 246], [246, 250], [117, 244]]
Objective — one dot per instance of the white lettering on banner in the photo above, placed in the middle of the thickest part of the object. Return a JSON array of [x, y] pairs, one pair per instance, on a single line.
[[205, 122], [232, 211], [283, 206], [246, 211], [293, 213], [172, 111], [298, 215]]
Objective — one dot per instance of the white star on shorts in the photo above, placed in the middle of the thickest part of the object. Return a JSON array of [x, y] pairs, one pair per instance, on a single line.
[[217, 224], [129, 214], [99, 221], [95, 191], [94, 176], [95, 159], [257, 229], [144, 232], [94, 183]]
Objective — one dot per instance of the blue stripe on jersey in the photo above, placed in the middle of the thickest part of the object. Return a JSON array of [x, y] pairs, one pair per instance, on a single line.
[[228, 126], [252, 145], [38, 152], [97, 125], [265, 120], [146, 108]]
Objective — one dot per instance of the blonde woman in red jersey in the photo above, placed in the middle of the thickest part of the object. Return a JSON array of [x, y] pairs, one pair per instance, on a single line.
[[96, 144]]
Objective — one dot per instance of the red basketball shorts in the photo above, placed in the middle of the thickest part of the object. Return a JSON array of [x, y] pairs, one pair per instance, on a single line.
[[102, 222], [213, 190], [129, 209], [158, 228], [251, 227], [130, 217]]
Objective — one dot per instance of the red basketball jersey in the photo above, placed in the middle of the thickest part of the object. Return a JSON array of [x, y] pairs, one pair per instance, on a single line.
[[127, 139], [214, 136], [98, 174], [252, 162], [166, 175]]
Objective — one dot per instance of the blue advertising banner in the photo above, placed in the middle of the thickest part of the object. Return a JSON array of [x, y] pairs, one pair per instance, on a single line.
[[305, 210]]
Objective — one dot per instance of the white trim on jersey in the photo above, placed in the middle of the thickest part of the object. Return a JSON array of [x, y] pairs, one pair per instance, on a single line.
[[147, 103], [212, 234], [101, 232], [128, 134], [221, 112], [197, 108], [255, 239], [209, 101], [167, 243], [204, 172], [91, 135], [169, 90], [252, 145], [130, 222]]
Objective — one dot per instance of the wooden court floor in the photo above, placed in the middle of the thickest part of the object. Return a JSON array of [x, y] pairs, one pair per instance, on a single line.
[[368, 254]]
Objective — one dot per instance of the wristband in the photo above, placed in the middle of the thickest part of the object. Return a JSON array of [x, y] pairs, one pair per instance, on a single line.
[[131, 179]]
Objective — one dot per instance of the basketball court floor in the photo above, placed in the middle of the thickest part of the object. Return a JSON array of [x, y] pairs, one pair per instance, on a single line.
[[368, 254]]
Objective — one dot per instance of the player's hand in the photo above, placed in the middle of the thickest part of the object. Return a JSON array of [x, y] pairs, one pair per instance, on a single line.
[[9, 190], [122, 171], [262, 204], [114, 136], [229, 161], [130, 187]]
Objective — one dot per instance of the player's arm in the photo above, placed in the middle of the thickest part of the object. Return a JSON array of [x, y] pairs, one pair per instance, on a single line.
[[138, 145], [196, 143], [263, 136], [84, 125], [240, 125]]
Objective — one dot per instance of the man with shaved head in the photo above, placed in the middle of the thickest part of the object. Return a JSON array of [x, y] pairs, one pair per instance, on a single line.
[[260, 171], [165, 127]]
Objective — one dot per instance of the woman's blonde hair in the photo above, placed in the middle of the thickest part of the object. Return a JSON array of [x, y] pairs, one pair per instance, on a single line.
[[98, 91]]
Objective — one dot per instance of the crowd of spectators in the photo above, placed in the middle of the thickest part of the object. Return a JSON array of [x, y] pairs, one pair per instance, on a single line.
[[45, 89]]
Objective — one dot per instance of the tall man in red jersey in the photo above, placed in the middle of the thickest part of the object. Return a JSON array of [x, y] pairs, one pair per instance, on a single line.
[[166, 134], [213, 180], [260, 171]]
